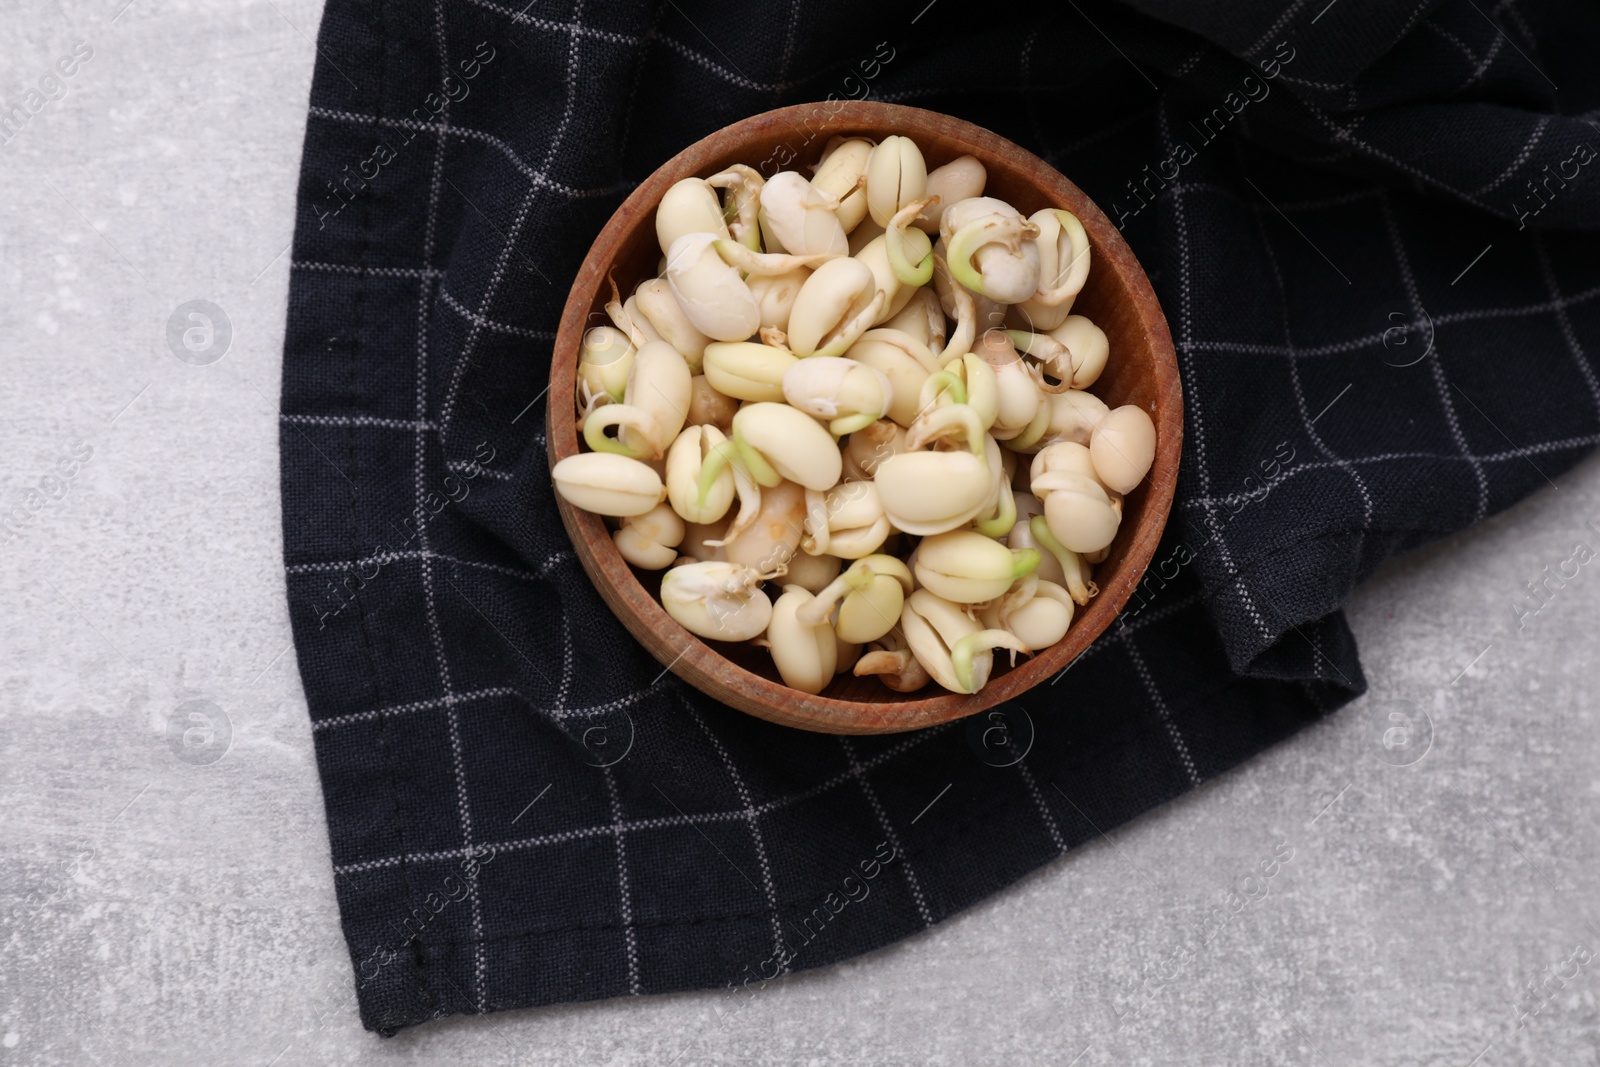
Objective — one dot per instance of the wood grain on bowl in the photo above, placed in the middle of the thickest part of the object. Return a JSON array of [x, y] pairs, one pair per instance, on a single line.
[[1141, 370]]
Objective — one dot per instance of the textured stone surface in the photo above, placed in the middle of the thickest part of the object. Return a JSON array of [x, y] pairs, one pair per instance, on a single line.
[[170, 910]]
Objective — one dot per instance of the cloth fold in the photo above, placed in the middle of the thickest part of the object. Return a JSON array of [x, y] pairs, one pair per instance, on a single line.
[[1370, 229]]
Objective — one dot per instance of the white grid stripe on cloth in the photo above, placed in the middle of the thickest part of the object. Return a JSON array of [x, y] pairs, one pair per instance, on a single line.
[[543, 840], [416, 705], [1045, 814], [1165, 713], [1192, 62], [1191, 401], [484, 694], [912, 741], [464, 358], [573, 27], [624, 884], [859, 772], [700, 58], [1435, 364], [673, 43], [1520, 452], [565, 685], [537, 183], [1373, 340], [338, 566], [1276, 28], [752, 819], [408, 425], [658, 822], [1519, 159], [787, 60], [1252, 348], [489, 324], [442, 131], [1347, 136], [430, 600], [380, 558], [1581, 297], [1460, 46], [1293, 362], [356, 268], [1286, 206], [1140, 621], [495, 280], [1488, 59], [464, 467], [1510, 8]]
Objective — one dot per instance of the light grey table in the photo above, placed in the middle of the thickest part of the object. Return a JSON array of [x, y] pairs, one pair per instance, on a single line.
[[168, 907]]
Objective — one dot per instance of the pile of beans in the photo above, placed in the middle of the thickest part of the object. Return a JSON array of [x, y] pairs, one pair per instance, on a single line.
[[851, 419]]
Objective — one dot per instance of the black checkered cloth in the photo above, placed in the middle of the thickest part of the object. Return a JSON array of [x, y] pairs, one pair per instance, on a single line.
[[1370, 226]]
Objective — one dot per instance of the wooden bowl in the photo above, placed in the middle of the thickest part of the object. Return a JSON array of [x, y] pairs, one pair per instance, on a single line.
[[1142, 370]]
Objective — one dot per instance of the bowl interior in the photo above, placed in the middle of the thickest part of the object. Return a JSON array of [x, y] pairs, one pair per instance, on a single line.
[[1117, 297]]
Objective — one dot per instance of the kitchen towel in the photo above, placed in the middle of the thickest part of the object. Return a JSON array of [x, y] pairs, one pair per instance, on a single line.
[[1370, 226]]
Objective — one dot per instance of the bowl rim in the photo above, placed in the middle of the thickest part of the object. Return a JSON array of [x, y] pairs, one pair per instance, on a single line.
[[699, 663]]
